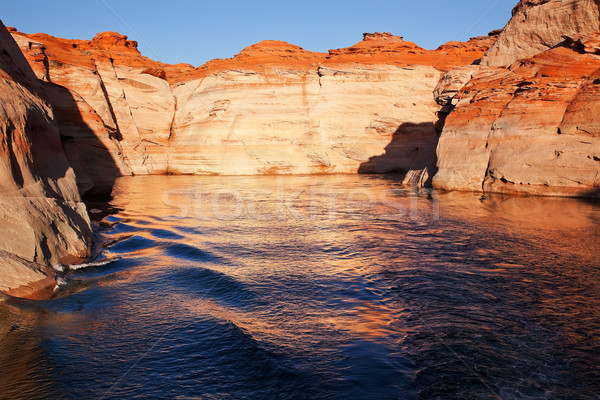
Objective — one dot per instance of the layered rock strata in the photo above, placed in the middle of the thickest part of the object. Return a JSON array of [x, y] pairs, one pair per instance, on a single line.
[[540, 25], [532, 126], [42, 219], [272, 109]]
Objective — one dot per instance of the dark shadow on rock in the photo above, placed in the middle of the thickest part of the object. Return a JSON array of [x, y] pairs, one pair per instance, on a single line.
[[94, 167], [591, 196], [413, 148]]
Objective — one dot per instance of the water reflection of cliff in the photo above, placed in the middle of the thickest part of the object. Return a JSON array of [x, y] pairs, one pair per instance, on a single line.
[[343, 285], [25, 369]]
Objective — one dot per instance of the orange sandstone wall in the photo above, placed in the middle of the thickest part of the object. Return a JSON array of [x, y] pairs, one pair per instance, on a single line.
[[523, 122], [274, 108]]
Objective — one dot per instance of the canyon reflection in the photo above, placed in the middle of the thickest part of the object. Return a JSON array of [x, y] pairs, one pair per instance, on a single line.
[[317, 287]]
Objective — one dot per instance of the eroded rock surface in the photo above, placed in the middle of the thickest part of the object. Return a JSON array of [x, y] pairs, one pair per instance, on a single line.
[[533, 127], [42, 219], [274, 108], [540, 25]]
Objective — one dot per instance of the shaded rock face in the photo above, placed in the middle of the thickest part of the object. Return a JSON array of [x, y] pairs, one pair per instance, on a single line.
[[274, 108], [530, 128], [41, 217]]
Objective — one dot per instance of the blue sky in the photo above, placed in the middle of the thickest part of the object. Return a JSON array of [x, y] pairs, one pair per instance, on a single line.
[[196, 31]]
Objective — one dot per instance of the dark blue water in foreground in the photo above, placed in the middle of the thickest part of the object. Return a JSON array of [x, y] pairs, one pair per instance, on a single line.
[[340, 287]]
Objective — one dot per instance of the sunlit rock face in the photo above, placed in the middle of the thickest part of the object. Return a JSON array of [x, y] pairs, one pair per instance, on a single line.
[[42, 219], [324, 118], [540, 25], [531, 127], [274, 108], [113, 107]]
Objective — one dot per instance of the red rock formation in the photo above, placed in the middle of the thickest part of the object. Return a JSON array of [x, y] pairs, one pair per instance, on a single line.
[[277, 108], [113, 106], [540, 25], [532, 127], [273, 108], [42, 219], [384, 48]]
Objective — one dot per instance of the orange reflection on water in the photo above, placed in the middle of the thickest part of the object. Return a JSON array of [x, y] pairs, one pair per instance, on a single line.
[[306, 267]]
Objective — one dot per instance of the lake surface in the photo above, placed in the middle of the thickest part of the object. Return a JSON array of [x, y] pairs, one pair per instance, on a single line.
[[316, 287]]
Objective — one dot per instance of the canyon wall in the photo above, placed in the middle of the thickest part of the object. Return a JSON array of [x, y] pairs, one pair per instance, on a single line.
[[528, 119], [524, 119], [519, 114], [540, 25], [42, 219], [274, 108]]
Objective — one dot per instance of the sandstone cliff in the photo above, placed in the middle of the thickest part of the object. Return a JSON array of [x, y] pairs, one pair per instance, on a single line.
[[42, 219], [273, 108], [540, 25], [534, 126]]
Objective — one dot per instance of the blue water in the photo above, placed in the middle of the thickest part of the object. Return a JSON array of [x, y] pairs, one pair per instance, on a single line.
[[339, 287]]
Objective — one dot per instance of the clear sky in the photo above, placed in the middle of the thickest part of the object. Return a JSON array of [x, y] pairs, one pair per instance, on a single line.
[[194, 31]]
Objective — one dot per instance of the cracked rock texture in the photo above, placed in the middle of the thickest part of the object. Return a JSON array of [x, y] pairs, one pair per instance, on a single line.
[[42, 219], [532, 127], [540, 25], [274, 108]]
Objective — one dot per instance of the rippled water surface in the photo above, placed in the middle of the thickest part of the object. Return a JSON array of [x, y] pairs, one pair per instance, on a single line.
[[341, 287]]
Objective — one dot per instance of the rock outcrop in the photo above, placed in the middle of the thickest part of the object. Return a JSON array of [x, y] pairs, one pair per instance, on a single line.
[[42, 219], [532, 127], [274, 108], [111, 107], [519, 114], [540, 25], [279, 109]]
